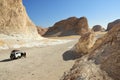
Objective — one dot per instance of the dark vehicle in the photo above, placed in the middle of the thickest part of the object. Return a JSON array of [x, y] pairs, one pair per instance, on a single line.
[[15, 54]]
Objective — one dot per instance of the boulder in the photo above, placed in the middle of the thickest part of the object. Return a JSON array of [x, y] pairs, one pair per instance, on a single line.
[[98, 28], [70, 26], [85, 43]]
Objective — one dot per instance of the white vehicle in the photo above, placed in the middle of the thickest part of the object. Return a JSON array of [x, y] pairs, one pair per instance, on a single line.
[[15, 54]]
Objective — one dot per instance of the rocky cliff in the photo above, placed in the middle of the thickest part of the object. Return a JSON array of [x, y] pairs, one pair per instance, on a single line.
[[14, 20], [70, 26], [102, 62]]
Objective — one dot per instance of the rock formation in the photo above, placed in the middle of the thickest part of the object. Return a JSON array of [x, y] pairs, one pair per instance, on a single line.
[[85, 43], [98, 28], [106, 52], [42, 31], [102, 62], [112, 24], [70, 26], [14, 20]]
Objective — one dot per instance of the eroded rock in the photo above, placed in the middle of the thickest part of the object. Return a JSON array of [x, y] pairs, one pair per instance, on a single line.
[[70, 26], [98, 28], [113, 24], [14, 20], [102, 62], [85, 43]]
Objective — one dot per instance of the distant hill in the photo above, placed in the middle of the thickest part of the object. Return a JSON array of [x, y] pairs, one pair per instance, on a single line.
[[41, 30]]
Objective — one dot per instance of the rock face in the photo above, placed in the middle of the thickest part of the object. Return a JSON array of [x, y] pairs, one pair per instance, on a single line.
[[14, 20], [85, 43], [106, 52], [98, 28], [70, 26], [112, 24], [85, 70], [42, 31], [102, 62]]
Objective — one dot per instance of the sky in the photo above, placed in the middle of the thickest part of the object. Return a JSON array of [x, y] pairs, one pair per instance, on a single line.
[[46, 13]]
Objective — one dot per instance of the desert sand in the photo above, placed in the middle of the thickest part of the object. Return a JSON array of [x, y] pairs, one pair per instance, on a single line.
[[42, 63]]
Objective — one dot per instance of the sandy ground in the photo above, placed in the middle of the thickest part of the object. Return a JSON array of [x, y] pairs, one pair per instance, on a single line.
[[66, 37], [42, 63]]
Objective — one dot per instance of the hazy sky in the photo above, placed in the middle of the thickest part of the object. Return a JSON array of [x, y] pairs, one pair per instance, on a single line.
[[46, 12]]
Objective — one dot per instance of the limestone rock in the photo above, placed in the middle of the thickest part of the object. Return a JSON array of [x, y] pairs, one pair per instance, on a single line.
[[113, 24], [85, 43], [15, 21], [70, 26], [106, 52], [102, 62], [98, 28], [85, 70]]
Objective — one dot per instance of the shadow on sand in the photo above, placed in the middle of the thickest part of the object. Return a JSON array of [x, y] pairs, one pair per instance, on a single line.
[[6, 60], [70, 55]]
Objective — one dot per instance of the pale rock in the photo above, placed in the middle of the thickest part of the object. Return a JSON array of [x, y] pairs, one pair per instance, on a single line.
[[14, 20]]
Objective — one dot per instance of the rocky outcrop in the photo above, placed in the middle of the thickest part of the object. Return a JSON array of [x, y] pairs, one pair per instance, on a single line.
[[14, 20], [70, 26], [85, 43], [41, 31], [85, 70], [106, 52], [113, 24], [98, 28], [102, 62]]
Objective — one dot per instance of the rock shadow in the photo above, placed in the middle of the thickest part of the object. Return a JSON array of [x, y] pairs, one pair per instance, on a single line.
[[70, 55]]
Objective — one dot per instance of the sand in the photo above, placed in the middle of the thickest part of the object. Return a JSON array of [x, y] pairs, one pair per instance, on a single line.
[[42, 63]]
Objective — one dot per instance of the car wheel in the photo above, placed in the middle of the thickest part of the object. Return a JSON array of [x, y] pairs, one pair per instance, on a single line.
[[11, 57]]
